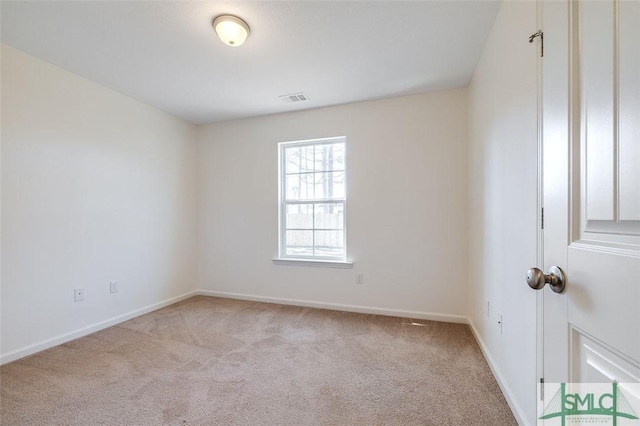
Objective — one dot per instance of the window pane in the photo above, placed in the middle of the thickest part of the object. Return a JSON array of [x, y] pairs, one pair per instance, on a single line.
[[329, 216], [313, 199], [299, 216], [299, 243], [299, 159], [299, 187], [329, 243], [329, 185], [329, 157]]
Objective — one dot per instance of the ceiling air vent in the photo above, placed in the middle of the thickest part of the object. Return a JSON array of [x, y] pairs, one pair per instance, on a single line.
[[294, 97]]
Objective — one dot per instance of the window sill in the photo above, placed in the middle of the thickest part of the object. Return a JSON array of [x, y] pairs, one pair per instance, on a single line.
[[342, 264]]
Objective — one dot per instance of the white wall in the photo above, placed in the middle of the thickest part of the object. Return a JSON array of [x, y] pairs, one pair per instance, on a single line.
[[95, 187], [503, 201], [407, 205]]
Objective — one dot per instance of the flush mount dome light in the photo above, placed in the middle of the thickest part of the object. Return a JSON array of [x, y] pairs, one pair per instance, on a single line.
[[232, 30]]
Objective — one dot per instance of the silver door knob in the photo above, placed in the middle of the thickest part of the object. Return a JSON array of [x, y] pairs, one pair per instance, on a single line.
[[555, 278]]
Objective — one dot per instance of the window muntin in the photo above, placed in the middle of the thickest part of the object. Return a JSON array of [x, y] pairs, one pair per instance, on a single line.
[[313, 199]]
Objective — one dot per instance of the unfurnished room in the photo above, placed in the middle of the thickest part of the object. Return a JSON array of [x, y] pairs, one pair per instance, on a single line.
[[320, 212]]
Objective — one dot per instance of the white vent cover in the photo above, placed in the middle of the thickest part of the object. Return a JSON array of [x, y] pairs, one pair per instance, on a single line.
[[294, 97]]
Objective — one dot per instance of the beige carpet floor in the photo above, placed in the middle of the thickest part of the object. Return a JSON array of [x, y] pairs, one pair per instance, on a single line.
[[211, 361]]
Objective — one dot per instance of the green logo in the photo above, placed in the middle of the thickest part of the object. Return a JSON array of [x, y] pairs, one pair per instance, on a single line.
[[585, 407]]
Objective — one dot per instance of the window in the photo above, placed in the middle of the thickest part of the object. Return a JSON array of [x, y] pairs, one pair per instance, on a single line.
[[313, 199]]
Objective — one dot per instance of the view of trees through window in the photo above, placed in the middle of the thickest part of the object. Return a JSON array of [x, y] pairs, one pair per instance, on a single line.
[[314, 199]]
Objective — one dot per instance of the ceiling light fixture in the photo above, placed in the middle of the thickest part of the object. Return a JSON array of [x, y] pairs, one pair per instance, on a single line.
[[232, 30]]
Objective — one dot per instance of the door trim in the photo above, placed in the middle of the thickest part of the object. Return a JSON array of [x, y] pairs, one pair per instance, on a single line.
[[540, 207]]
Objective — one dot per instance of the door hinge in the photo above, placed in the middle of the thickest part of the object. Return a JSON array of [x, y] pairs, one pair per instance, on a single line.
[[540, 34], [541, 389], [542, 218]]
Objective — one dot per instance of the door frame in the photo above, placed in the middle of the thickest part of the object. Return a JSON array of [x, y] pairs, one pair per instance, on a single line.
[[540, 210], [572, 141]]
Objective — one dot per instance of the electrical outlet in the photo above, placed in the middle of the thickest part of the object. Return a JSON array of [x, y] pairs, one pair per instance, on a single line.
[[78, 294], [113, 286], [359, 278], [500, 321]]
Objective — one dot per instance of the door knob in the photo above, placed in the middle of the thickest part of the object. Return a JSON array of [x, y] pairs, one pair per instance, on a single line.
[[555, 278]]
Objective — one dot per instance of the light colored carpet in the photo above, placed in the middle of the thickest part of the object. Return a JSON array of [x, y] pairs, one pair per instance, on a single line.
[[211, 361]]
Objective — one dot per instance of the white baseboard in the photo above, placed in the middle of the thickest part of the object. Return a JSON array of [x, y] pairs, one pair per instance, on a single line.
[[55, 341], [506, 390], [461, 319]]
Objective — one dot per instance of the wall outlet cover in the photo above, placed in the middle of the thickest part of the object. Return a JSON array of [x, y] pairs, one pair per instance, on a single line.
[[78, 294]]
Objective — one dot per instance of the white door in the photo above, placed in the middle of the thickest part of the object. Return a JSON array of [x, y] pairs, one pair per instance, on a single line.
[[591, 189]]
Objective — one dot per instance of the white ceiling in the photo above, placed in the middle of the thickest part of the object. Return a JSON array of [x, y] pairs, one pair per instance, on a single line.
[[166, 54]]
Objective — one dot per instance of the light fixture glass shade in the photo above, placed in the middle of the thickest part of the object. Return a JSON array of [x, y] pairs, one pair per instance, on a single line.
[[232, 30]]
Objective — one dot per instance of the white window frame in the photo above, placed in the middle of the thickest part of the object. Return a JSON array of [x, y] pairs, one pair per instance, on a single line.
[[336, 261]]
